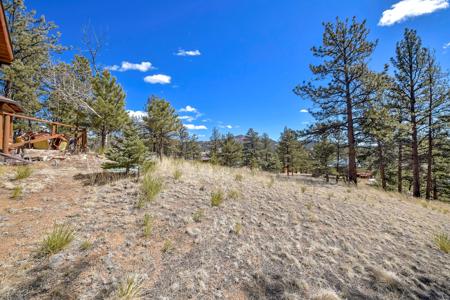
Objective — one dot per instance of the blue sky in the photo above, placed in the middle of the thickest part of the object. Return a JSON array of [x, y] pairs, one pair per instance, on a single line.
[[238, 59]]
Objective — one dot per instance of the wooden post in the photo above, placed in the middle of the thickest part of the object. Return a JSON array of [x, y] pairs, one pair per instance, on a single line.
[[54, 129], [6, 133], [1, 130]]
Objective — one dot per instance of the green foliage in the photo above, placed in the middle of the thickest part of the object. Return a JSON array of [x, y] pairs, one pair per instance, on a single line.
[[231, 154], [217, 198], [148, 166], [322, 155], [130, 289], [147, 225], [17, 192], [126, 152], [269, 160], [162, 125], [291, 152], [23, 172], [150, 188], [109, 104], [198, 215], [251, 149], [442, 240], [57, 240], [167, 247]]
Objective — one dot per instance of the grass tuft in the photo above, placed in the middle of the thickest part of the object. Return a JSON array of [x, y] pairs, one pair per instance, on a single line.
[[57, 240], [86, 245], [150, 188], [130, 288], [177, 174], [198, 215], [233, 194], [238, 177], [216, 198], [147, 225], [271, 182], [17, 192], [442, 240], [167, 247], [23, 172], [149, 166], [237, 228], [303, 189]]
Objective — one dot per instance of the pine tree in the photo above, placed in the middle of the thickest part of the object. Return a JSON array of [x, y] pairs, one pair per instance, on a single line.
[[33, 40], [127, 151], [251, 149], [410, 65], [193, 151], [215, 142], [322, 155], [345, 52], [231, 152], [291, 152], [109, 104], [162, 125], [269, 160]]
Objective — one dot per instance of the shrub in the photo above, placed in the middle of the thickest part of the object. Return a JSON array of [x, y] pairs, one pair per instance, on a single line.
[[233, 194], [130, 288], [216, 198], [57, 240], [167, 247], [442, 240], [85, 245], [23, 172], [148, 225], [17, 192], [198, 215], [177, 174], [150, 188], [238, 177]]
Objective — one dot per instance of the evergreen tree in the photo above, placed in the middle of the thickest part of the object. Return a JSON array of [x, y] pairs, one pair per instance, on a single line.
[[291, 152], [126, 151], [109, 104], [231, 152], [251, 149], [162, 125], [322, 155], [345, 52], [33, 41], [193, 151], [269, 160], [214, 143], [410, 63]]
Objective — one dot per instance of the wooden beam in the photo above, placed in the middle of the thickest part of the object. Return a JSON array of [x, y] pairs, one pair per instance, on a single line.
[[1, 131], [37, 120], [44, 138], [6, 132]]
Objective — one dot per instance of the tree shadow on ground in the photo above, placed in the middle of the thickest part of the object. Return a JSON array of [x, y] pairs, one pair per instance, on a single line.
[[102, 178]]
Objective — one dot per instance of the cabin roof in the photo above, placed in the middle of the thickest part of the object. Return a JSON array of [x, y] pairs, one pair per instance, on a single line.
[[14, 105], [6, 50]]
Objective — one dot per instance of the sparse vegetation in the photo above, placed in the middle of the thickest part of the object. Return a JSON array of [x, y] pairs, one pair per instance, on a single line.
[[271, 182], [177, 174], [23, 172], [216, 198], [148, 166], [237, 228], [151, 186], [17, 192], [303, 189], [130, 289], [86, 245], [198, 215], [167, 247], [147, 225], [57, 240], [233, 194], [238, 177], [442, 240]]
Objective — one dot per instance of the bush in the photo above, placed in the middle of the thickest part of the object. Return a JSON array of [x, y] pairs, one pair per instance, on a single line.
[[130, 288], [216, 198], [150, 188], [198, 215], [23, 172], [57, 240], [443, 242], [177, 174], [17, 192], [148, 225]]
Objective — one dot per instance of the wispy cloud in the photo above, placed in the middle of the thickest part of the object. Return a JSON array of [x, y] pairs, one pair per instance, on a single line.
[[188, 108], [304, 110], [158, 79], [195, 127], [446, 46], [227, 126], [405, 9], [138, 114], [127, 66], [187, 118], [182, 52]]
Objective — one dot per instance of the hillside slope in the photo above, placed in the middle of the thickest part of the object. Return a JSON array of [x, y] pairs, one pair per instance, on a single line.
[[269, 239]]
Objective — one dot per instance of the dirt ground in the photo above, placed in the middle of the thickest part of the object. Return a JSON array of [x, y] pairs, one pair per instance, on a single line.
[[271, 238]]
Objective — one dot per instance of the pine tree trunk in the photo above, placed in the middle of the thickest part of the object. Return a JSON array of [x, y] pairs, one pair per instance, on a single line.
[[381, 166], [338, 157], [400, 168], [352, 176], [103, 140], [435, 191], [430, 148], [415, 157]]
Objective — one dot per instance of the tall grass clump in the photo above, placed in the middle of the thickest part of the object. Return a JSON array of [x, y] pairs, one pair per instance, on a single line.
[[150, 188], [149, 166], [238, 177], [148, 225], [57, 240], [23, 172], [216, 198], [130, 288], [177, 174], [442, 240], [17, 192], [198, 215]]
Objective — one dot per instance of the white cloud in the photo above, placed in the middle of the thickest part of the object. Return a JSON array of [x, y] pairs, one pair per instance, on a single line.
[[405, 9], [304, 110], [138, 114], [227, 126], [182, 52], [187, 118], [446, 46], [195, 127], [159, 78], [188, 108], [127, 66]]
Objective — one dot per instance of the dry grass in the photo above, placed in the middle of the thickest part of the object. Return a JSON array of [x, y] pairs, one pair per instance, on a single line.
[[147, 225], [86, 245], [325, 295], [57, 240], [23, 172], [17, 192], [442, 240], [217, 198], [130, 289], [177, 174], [198, 215], [167, 246], [151, 186]]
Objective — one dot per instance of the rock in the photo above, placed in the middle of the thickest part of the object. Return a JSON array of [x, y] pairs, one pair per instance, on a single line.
[[193, 232]]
